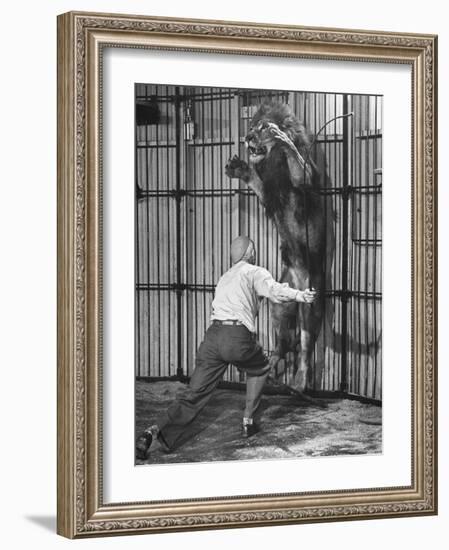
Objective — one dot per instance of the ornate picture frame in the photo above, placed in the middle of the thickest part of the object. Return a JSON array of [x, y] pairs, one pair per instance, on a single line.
[[82, 39]]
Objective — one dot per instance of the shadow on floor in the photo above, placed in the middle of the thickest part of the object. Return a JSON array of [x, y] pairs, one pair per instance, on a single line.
[[46, 522], [289, 428]]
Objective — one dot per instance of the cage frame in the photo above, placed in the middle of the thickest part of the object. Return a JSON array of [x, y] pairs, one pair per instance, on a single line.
[[345, 185]]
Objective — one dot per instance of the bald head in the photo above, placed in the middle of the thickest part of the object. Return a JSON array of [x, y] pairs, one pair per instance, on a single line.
[[242, 248]]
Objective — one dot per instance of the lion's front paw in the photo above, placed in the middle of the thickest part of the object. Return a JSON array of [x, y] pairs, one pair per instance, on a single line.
[[237, 168], [279, 135]]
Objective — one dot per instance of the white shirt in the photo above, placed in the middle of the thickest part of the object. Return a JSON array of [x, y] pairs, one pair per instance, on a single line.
[[240, 290]]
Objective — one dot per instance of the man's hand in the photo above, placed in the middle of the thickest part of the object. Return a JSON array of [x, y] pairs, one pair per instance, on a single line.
[[308, 296]]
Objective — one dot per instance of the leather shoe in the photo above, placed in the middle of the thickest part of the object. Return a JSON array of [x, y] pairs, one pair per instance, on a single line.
[[143, 445], [248, 430]]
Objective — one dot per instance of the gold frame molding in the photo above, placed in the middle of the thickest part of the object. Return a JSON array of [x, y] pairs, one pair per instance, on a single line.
[[81, 37]]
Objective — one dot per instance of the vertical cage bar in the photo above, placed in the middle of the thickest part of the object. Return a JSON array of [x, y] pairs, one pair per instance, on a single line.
[[344, 267], [158, 163], [168, 296], [195, 209], [358, 248], [367, 203], [177, 103], [136, 240], [375, 248], [203, 219], [351, 325], [222, 217], [212, 186]]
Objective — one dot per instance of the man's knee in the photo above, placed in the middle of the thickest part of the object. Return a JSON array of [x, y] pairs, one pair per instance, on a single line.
[[259, 370], [189, 393]]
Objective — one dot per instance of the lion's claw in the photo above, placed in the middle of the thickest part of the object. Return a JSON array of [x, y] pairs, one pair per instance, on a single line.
[[277, 133], [237, 168]]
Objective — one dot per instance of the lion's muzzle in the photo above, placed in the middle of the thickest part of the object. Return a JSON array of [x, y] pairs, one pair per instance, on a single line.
[[256, 150]]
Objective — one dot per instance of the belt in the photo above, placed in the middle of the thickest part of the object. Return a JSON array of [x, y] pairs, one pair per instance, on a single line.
[[226, 322]]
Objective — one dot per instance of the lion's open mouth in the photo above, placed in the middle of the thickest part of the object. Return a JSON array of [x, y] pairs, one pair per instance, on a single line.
[[260, 150]]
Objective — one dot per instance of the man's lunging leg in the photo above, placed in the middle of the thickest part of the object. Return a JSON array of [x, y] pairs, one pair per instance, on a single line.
[[254, 388], [189, 402]]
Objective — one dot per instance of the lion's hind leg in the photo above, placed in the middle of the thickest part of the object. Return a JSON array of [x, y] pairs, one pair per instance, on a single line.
[[310, 325], [284, 317]]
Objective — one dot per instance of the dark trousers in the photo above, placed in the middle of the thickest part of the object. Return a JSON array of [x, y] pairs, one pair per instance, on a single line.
[[222, 344]]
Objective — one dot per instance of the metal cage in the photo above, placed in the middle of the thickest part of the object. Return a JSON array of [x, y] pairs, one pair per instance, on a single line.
[[188, 211]]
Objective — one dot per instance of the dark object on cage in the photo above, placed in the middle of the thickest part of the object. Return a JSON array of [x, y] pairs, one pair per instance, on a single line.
[[147, 112]]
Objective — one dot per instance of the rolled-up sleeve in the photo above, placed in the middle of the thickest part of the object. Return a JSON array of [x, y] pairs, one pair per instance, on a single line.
[[265, 285]]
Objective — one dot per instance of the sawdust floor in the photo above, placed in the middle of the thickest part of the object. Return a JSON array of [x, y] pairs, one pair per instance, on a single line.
[[289, 428]]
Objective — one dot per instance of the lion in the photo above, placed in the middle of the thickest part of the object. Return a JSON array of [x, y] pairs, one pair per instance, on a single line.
[[287, 175]]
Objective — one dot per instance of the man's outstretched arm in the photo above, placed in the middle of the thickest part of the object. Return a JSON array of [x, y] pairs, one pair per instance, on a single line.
[[265, 285]]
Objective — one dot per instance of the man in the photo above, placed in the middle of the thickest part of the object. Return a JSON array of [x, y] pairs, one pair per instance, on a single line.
[[231, 338]]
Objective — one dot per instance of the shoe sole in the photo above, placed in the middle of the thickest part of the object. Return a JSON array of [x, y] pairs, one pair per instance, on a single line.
[[143, 446], [247, 435]]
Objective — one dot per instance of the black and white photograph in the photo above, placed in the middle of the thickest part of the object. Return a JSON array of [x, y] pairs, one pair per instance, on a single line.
[[258, 274], [222, 319]]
